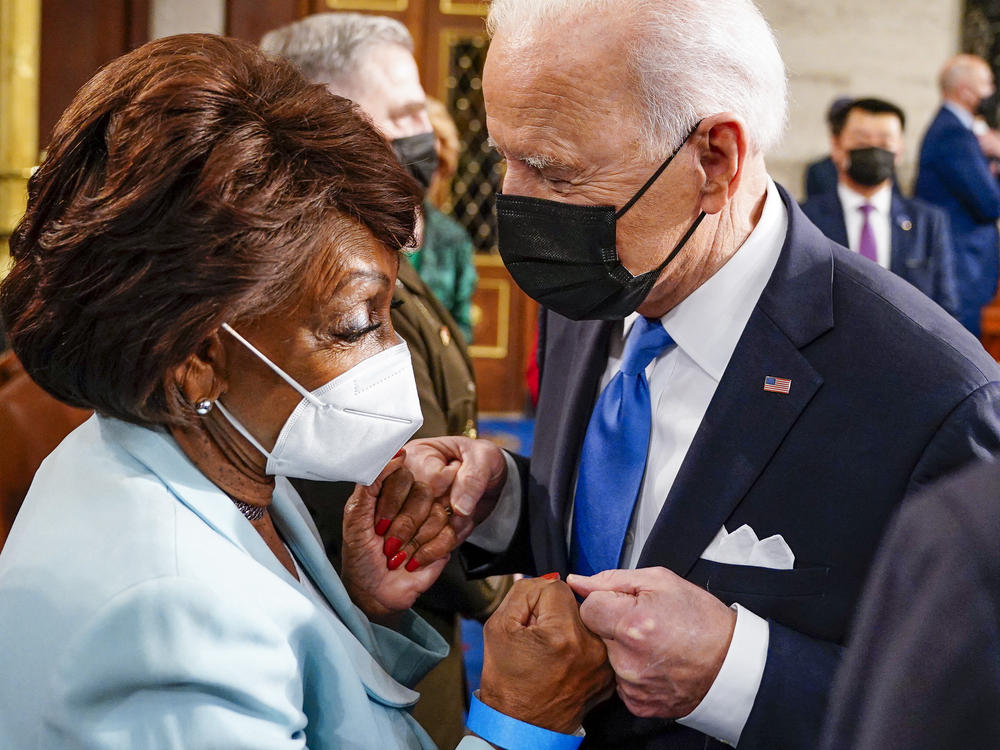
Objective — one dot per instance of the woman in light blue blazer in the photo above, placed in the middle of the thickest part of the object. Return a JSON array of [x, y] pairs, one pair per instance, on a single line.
[[207, 260]]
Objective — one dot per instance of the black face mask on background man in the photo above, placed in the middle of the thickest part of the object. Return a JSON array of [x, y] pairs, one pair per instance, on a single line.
[[870, 166], [564, 256], [418, 154]]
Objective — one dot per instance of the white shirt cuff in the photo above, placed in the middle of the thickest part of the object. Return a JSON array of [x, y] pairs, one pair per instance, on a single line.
[[724, 710], [496, 532]]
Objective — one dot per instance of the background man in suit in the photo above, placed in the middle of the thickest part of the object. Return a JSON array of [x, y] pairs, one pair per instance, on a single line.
[[865, 212], [921, 671], [821, 175], [714, 372], [955, 174]]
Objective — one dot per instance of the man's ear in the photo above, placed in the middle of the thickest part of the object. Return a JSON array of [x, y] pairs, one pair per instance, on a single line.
[[203, 375], [722, 158]]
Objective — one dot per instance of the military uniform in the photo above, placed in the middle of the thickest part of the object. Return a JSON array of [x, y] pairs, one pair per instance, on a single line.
[[447, 390], [444, 262], [441, 365]]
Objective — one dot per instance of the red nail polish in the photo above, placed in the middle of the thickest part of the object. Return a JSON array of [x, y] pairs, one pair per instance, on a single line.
[[383, 526], [396, 561], [554, 576], [412, 564], [392, 545], [400, 452]]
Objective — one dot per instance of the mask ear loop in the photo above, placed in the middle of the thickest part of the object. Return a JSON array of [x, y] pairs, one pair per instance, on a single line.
[[241, 429], [277, 370], [656, 174]]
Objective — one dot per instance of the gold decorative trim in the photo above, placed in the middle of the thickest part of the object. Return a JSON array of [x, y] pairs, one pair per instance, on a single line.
[[378, 5], [458, 8], [491, 260], [500, 348], [20, 41], [447, 39]]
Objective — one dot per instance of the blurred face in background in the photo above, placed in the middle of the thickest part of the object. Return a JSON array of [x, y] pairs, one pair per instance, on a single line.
[[866, 130], [388, 89]]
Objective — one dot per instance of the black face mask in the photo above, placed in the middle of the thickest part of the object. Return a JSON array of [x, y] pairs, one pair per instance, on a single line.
[[564, 256], [988, 108], [419, 155], [870, 166]]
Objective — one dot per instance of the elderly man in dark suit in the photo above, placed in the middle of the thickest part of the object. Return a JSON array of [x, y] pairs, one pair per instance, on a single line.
[[866, 213], [731, 405], [955, 174]]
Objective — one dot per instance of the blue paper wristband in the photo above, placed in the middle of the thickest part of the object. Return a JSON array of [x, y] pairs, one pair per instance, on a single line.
[[513, 734]]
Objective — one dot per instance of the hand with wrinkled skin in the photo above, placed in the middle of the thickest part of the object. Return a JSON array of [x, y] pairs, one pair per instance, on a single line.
[[468, 474], [540, 663], [666, 637], [377, 590]]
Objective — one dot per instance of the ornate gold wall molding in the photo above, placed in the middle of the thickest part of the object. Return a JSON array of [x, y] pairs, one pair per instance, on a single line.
[[463, 8], [377, 5], [20, 41]]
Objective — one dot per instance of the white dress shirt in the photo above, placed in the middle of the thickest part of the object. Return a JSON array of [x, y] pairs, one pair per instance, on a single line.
[[706, 327], [880, 219], [964, 116]]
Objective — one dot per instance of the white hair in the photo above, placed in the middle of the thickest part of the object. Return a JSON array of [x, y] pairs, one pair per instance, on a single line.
[[327, 47], [689, 59]]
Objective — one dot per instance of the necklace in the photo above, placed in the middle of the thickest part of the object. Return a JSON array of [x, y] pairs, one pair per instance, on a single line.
[[252, 512]]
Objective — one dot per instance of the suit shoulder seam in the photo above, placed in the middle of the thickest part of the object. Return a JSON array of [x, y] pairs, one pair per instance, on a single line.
[[838, 269]]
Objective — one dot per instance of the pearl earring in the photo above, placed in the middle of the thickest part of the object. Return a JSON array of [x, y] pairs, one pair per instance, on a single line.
[[203, 407]]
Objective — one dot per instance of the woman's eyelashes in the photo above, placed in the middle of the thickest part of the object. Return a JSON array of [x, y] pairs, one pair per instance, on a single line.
[[356, 332]]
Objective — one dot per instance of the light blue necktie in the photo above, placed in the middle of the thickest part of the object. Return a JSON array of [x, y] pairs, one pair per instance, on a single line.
[[614, 455]]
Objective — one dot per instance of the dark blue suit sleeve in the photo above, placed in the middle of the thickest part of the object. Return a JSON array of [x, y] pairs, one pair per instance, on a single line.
[[971, 432], [517, 558], [968, 177], [943, 259], [791, 701]]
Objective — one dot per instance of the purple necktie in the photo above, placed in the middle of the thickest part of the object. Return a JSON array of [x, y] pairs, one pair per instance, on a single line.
[[867, 246]]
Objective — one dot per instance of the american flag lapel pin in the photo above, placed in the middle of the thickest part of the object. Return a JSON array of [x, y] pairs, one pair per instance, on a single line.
[[777, 385]]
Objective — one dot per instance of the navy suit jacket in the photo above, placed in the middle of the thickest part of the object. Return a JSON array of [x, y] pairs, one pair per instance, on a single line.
[[921, 249], [954, 175], [888, 392], [821, 177]]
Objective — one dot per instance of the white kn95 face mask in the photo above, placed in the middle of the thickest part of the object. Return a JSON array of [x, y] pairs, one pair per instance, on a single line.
[[348, 429]]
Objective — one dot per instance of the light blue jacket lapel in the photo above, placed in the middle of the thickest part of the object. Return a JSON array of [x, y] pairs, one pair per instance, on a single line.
[[385, 659]]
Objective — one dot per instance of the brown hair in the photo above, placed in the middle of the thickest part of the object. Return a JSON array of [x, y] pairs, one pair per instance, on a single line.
[[191, 182]]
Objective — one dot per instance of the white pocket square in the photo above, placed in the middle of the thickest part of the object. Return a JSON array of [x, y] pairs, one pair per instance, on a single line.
[[743, 548]]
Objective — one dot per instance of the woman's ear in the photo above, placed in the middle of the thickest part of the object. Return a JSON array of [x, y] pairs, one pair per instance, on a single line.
[[722, 160], [203, 375]]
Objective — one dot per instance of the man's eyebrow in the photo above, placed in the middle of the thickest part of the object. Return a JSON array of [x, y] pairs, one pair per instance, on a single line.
[[535, 161], [409, 108]]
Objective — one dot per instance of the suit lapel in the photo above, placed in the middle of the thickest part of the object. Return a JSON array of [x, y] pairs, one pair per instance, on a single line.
[[289, 515], [745, 424], [837, 227], [579, 352], [740, 432], [903, 234], [161, 455]]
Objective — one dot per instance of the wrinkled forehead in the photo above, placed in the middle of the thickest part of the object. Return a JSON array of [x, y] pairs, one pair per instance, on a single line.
[[539, 88], [384, 76], [861, 122]]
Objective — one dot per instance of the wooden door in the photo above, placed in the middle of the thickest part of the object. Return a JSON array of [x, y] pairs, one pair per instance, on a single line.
[[78, 37]]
